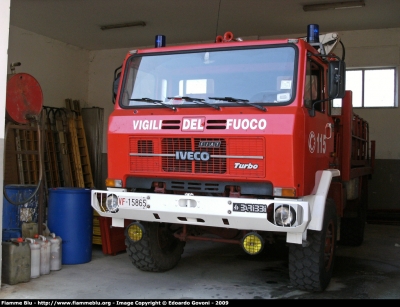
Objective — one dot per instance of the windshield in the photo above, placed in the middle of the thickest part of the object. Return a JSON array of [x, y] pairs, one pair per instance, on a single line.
[[211, 78]]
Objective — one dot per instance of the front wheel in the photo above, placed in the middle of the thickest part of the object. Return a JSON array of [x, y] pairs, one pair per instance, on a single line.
[[311, 266], [157, 251]]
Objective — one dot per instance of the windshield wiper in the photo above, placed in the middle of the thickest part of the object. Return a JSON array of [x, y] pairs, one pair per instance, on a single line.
[[192, 99], [238, 100], [153, 101]]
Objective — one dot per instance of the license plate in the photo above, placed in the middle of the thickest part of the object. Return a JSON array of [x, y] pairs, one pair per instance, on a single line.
[[254, 208], [138, 202]]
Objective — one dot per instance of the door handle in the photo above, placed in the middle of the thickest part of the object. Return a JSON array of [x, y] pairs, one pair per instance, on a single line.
[[329, 127]]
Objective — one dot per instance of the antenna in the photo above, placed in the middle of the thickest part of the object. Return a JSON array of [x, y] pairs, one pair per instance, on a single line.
[[216, 28]]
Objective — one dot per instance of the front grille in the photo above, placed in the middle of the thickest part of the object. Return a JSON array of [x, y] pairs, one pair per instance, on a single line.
[[212, 166], [217, 165], [195, 186], [170, 146], [145, 146], [159, 155]]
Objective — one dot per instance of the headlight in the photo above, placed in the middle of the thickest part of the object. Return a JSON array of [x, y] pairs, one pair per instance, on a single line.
[[112, 203], [285, 216]]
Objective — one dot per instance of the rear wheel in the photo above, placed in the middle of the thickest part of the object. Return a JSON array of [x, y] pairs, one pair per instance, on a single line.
[[311, 266], [157, 251]]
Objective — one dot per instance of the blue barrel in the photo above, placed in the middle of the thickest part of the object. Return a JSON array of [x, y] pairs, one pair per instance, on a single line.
[[70, 216]]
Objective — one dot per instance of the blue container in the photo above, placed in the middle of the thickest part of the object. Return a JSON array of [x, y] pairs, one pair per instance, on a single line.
[[15, 215], [70, 216], [9, 234]]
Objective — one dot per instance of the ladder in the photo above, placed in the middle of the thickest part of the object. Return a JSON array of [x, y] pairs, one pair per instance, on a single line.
[[50, 152], [62, 150], [26, 143], [79, 151]]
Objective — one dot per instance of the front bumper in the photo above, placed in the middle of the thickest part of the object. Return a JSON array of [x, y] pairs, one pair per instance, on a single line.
[[200, 211]]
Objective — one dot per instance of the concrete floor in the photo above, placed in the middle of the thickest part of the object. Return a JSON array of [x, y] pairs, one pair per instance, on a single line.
[[222, 271]]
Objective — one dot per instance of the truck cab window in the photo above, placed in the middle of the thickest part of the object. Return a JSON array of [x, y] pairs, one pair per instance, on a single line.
[[313, 86], [262, 75]]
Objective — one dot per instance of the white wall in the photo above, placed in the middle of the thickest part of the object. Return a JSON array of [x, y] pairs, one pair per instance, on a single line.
[[62, 70], [377, 48]]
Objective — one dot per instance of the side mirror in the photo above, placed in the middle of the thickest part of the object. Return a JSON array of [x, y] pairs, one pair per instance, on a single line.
[[117, 75], [336, 79]]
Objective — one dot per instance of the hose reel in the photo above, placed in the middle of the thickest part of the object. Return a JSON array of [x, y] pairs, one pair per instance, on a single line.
[[24, 98]]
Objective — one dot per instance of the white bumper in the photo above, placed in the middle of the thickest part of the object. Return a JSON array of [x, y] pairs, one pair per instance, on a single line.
[[217, 211], [199, 210]]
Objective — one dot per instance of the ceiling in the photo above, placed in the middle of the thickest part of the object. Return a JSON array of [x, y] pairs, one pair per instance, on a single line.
[[77, 22]]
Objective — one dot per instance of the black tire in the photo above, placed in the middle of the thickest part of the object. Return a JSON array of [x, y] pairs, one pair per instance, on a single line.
[[352, 228], [157, 251], [311, 266]]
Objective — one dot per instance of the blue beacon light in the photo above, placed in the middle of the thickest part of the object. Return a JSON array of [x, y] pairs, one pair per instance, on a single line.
[[313, 33], [160, 41]]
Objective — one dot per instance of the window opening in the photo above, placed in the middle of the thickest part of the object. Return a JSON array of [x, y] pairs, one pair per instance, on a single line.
[[371, 87], [313, 86]]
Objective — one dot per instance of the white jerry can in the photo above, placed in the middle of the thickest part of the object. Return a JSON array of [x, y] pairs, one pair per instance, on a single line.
[[35, 257], [55, 252], [44, 254]]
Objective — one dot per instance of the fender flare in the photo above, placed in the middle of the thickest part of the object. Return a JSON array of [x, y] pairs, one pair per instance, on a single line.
[[317, 199]]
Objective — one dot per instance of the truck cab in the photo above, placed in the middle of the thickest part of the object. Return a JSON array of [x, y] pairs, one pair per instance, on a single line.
[[234, 139]]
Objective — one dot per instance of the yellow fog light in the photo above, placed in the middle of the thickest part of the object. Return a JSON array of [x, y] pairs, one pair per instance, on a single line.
[[252, 243], [135, 232]]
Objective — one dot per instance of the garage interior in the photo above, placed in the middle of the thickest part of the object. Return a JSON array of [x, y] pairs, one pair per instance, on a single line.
[[63, 46]]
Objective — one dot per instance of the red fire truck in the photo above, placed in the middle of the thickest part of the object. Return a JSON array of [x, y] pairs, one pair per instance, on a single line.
[[244, 142]]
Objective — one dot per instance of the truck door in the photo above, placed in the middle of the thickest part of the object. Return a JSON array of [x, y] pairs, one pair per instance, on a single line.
[[318, 126]]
